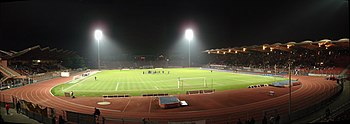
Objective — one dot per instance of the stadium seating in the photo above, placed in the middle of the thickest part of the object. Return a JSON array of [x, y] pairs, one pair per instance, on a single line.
[[32, 65], [304, 61]]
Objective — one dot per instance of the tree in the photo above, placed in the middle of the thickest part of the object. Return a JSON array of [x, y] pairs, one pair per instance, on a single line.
[[73, 62]]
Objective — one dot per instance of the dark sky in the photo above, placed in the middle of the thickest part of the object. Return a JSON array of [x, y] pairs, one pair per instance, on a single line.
[[157, 26]]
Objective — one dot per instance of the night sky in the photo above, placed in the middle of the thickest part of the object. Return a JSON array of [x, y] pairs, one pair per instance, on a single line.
[[158, 26]]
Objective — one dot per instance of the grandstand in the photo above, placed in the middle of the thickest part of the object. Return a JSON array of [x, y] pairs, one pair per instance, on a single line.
[[31, 65], [326, 58], [307, 57]]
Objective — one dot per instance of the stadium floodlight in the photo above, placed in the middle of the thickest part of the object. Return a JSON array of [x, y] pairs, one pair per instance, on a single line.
[[98, 37], [189, 34], [189, 37]]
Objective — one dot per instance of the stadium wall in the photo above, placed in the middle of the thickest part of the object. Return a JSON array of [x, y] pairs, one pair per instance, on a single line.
[[4, 63]]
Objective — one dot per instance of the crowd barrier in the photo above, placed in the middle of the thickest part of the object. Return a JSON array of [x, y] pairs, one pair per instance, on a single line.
[[156, 94], [80, 118], [34, 111], [200, 92], [115, 96]]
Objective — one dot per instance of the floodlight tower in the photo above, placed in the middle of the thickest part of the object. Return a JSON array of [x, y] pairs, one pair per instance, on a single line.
[[189, 37], [98, 37]]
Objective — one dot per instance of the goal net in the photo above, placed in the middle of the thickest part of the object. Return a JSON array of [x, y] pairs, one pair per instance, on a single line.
[[194, 82]]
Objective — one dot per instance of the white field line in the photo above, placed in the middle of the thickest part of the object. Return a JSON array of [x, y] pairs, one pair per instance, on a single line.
[[152, 81], [241, 81], [82, 80], [76, 83], [170, 88], [156, 87], [116, 88], [192, 78], [139, 78]]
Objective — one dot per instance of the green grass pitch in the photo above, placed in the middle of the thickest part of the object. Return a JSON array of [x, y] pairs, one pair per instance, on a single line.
[[135, 83]]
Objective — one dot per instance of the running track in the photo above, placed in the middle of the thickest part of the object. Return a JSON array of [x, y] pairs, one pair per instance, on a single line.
[[216, 108]]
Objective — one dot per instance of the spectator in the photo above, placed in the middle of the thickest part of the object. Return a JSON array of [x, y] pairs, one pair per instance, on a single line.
[[252, 120], [328, 113], [97, 113], [272, 119], [247, 121], [1, 119], [71, 94], [143, 120], [61, 120], [264, 121], [18, 107], [53, 115], [277, 119], [239, 121], [7, 106]]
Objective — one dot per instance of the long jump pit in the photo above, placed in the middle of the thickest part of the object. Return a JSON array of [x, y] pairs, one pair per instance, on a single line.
[[166, 102]]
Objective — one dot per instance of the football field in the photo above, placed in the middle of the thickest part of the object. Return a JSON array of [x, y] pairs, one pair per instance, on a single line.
[[168, 80]]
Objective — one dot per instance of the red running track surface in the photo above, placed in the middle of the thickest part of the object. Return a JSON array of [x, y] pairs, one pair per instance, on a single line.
[[233, 103]]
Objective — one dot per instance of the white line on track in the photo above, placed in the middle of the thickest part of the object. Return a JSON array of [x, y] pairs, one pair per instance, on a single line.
[[116, 88], [150, 105], [126, 105]]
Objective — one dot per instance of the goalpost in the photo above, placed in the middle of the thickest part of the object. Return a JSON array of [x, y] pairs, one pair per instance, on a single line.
[[196, 82]]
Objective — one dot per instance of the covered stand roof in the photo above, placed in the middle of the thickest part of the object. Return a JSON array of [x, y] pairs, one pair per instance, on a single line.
[[36, 53], [311, 45]]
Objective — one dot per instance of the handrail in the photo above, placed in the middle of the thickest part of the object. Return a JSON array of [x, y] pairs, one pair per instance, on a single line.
[[6, 71], [10, 71]]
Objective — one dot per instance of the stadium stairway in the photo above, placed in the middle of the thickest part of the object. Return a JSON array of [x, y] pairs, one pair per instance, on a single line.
[[4, 79], [6, 72], [9, 73]]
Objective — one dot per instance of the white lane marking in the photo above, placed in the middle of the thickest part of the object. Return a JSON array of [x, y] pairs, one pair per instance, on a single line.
[[126, 105], [116, 88]]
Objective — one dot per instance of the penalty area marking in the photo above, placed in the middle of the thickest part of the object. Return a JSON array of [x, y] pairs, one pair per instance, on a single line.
[[81, 80], [192, 78], [156, 87], [116, 88]]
